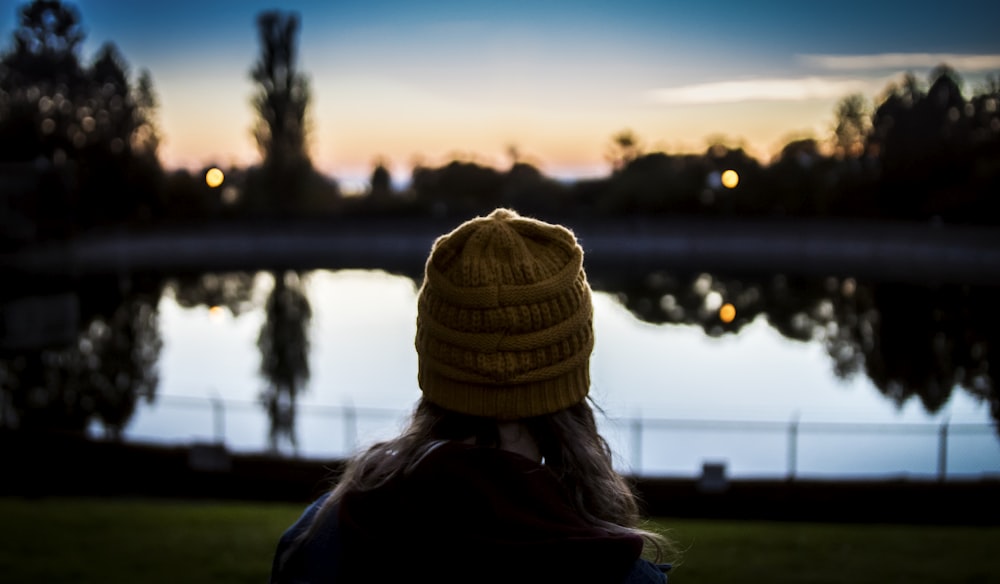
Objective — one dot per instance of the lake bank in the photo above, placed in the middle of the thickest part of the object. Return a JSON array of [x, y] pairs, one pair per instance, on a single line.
[[54, 465], [907, 252]]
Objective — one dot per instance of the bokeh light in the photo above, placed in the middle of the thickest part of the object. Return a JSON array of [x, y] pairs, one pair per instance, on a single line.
[[730, 179], [214, 177], [727, 312]]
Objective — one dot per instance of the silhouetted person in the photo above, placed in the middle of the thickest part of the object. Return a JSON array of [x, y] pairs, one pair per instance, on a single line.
[[501, 474]]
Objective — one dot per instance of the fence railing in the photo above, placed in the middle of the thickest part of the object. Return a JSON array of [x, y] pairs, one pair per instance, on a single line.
[[788, 449]]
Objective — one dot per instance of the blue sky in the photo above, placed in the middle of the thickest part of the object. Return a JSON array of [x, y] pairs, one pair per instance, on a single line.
[[428, 81]]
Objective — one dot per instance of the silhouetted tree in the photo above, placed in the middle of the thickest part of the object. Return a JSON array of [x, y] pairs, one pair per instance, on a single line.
[[283, 95], [286, 182], [800, 182], [46, 46], [40, 79], [852, 125], [77, 124], [116, 183], [624, 148], [525, 188], [930, 160], [381, 181], [146, 136], [653, 183], [458, 188]]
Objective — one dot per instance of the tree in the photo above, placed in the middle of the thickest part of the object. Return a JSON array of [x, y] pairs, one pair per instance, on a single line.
[[381, 181], [146, 136], [76, 124], [853, 122], [283, 94], [624, 149], [927, 157], [40, 77], [286, 182], [46, 44], [120, 175]]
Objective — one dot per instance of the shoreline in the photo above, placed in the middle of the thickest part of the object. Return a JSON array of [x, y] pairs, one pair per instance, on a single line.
[[898, 252]]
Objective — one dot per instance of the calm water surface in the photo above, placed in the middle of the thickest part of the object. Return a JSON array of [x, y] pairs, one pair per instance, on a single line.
[[674, 398]]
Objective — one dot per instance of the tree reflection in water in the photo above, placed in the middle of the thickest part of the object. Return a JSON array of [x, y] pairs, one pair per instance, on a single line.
[[912, 341], [98, 378], [232, 290], [284, 355], [920, 341]]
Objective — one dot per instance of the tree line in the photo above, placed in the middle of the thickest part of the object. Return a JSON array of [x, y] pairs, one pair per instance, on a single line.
[[79, 150]]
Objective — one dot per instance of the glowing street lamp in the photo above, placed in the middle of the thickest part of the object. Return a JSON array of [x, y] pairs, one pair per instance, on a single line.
[[730, 179], [214, 177]]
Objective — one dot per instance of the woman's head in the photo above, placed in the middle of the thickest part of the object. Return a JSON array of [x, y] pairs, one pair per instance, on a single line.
[[504, 319]]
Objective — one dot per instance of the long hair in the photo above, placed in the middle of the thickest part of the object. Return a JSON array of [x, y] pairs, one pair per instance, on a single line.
[[570, 444]]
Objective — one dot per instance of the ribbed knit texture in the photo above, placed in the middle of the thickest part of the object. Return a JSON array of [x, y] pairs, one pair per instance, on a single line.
[[504, 319]]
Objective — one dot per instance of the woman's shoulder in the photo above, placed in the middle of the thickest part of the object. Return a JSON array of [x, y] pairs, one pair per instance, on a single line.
[[646, 572], [299, 558]]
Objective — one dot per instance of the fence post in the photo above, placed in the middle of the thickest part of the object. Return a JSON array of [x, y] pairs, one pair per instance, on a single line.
[[793, 446], [219, 418], [637, 445], [350, 428], [943, 451]]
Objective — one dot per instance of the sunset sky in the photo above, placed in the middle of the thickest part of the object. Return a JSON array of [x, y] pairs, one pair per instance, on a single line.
[[415, 81]]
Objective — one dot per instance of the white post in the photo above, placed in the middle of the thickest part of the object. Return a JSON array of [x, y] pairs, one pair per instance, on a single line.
[[943, 451], [219, 418], [793, 446], [637, 445]]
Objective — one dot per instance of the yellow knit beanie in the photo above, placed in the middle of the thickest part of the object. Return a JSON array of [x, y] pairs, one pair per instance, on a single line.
[[504, 319]]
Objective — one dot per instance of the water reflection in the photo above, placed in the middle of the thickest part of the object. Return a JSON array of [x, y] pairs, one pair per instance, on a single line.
[[284, 355], [911, 341], [101, 375], [233, 290]]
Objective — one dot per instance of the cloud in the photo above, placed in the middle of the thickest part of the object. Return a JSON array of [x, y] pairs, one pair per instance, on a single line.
[[882, 61], [799, 89], [822, 86]]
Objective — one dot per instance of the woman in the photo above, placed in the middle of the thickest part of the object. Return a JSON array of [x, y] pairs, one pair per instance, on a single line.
[[501, 474]]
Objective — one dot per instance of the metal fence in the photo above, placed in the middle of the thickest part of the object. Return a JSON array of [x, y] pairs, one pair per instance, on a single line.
[[645, 446]]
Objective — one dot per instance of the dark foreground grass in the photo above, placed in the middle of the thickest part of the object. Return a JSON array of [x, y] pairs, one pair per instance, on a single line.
[[111, 541]]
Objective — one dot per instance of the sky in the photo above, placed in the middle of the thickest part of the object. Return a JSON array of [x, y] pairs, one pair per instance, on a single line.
[[410, 82]]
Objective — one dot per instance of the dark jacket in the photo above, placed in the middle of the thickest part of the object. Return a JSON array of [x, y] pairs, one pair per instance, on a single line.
[[464, 514]]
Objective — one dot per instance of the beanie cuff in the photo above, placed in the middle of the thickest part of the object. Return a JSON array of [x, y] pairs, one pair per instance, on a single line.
[[506, 402]]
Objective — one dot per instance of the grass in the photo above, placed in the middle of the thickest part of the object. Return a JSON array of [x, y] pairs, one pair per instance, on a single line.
[[730, 551], [63, 540]]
